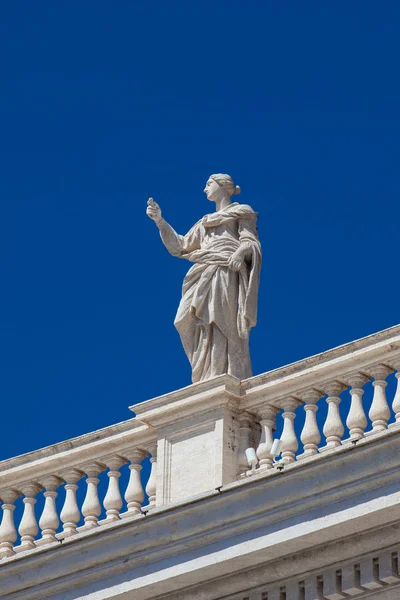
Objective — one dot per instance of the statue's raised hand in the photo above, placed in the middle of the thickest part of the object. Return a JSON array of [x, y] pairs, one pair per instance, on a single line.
[[153, 210]]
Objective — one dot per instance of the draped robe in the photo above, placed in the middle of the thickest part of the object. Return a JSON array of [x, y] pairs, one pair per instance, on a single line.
[[218, 306]]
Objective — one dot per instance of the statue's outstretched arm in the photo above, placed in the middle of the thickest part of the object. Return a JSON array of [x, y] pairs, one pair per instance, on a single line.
[[176, 244]]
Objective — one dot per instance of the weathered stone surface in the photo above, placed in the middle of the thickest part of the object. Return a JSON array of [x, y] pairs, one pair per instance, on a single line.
[[324, 527], [219, 299]]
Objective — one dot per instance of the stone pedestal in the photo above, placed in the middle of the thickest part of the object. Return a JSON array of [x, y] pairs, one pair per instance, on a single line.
[[197, 430]]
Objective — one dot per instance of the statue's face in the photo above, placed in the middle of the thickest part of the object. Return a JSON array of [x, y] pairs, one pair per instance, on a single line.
[[212, 190]]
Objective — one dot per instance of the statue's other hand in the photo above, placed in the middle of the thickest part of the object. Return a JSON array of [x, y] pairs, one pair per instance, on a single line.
[[153, 210], [235, 262]]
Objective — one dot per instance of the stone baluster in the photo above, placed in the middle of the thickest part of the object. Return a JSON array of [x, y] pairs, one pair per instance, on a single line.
[[356, 419], [151, 487], [333, 429], [8, 532], [28, 528], [267, 422], [70, 514], [113, 499], [396, 400], [49, 520], [134, 494], [290, 444], [91, 507], [310, 436], [245, 421], [379, 412]]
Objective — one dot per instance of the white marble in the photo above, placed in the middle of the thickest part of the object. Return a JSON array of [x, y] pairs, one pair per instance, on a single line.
[[237, 528], [219, 296], [330, 513]]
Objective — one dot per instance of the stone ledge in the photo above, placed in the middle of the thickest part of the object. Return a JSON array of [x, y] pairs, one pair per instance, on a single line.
[[249, 523], [73, 452]]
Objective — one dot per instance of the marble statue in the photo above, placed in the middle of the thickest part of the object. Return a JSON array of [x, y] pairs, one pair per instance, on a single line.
[[219, 296]]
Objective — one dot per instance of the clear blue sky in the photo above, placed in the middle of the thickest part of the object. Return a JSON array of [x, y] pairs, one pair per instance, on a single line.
[[103, 104]]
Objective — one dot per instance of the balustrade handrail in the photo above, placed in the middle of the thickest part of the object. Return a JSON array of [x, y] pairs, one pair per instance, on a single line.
[[382, 347], [94, 445], [44, 471]]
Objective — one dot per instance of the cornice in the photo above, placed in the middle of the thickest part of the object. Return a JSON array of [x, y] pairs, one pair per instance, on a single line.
[[319, 502]]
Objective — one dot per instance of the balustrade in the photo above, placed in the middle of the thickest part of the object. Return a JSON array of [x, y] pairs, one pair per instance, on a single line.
[[35, 532], [358, 423], [289, 403]]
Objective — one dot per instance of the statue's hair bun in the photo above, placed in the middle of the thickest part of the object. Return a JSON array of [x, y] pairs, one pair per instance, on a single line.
[[236, 190]]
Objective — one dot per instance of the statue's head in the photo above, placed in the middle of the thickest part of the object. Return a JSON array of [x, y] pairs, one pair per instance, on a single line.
[[220, 184]]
